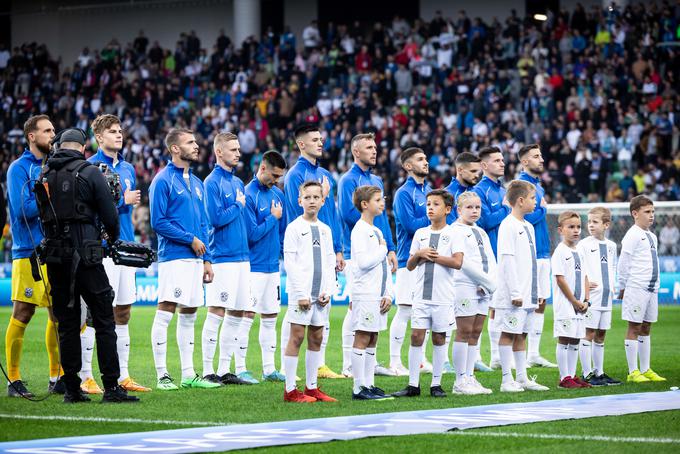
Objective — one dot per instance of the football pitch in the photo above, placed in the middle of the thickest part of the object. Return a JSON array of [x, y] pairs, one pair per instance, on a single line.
[[645, 432]]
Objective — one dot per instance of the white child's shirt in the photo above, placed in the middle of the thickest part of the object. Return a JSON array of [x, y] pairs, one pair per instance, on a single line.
[[517, 265], [599, 260], [309, 260], [474, 243], [371, 274], [433, 282], [569, 263], [639, 262]]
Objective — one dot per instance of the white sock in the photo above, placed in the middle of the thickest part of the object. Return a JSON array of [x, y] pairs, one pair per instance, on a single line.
[[505, 353], [562, 354], [415, 356], [87, 349], [397, 333], [644, 352], [631, 354], [159, 341], [573, 359], [423, 358], [123, 347], [520, 365], [534, 336], [447, 344], [460, 358], [358, 361], [228, 337], [267, 337], [285, 335], [324, 342], [369, 367], [598, 358], [494, 338], [290, 363], [586, 356], [438, 360], [347, 341], [185, 342], [243, 337], [312, 368], [472, 353], [209, 337]]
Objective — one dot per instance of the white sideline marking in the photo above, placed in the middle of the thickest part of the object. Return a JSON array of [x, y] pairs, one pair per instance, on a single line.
[[566, 437], [114, 420]]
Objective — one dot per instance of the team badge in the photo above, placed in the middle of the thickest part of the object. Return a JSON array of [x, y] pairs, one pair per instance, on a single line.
[[368, 317], [512, 321], [178, 292], [589, 315], [28, 292], [224, 296], [637, 309], [253, 301], [566, 324], [316, 243], [603, 259], [445, 239], [465, 303]]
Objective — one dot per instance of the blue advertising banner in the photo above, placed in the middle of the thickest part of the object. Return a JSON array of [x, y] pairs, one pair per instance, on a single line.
[[147, 290]]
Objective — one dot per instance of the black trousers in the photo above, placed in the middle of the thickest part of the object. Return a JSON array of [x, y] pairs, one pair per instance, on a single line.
[[92, 284]]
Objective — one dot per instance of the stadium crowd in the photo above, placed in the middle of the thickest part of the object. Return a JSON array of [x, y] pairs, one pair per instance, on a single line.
[[597, 89]]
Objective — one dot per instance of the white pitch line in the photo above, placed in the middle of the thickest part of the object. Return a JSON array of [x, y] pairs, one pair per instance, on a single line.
[[566, 437], [114, 420]]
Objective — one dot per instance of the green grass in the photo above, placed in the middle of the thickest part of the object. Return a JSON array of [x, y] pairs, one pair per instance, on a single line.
[[262, 403]]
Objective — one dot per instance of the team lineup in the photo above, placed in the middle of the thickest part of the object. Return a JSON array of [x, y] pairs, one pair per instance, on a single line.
[[474, 250]]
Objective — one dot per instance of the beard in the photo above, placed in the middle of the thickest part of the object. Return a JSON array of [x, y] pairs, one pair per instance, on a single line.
[[44, 148], [421, 173], [188, 156]]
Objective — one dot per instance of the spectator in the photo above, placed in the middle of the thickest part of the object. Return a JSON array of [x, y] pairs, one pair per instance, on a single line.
[[669, 239]]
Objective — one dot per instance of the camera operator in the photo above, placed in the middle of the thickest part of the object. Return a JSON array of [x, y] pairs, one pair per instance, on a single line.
[[72, 198]]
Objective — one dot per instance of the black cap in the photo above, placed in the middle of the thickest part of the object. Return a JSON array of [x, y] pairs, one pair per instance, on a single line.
[[72, 135]]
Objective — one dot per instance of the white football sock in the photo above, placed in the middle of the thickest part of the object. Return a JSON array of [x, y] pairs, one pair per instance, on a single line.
[[598, 358], [534, 336], [562, 354], [397, 333], [290, 363], [423, 358], [209, 337], [631, 354], [358, 361], [520, 365], [347, 341], [185, 342], [159, 341], [447, 345], [123, 348], [472, 353], [312, 368], [324, 342], [228, 337], [505, 353], [586, 356], [460, 358], [415, 356], [87, 349], [369, 367], [438, 360], [494, 338], [573, 359], [242, 342], [644, 352], [267, 338], [285, 335]]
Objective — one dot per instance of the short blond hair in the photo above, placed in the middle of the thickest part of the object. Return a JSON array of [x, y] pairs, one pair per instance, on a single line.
[[465, 196], [358, 137], [517, 189], [604, 213], [104, 122], [566, 215], [223, 138]]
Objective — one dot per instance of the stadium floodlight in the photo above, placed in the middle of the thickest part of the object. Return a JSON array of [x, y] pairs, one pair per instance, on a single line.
[[541, 17]]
